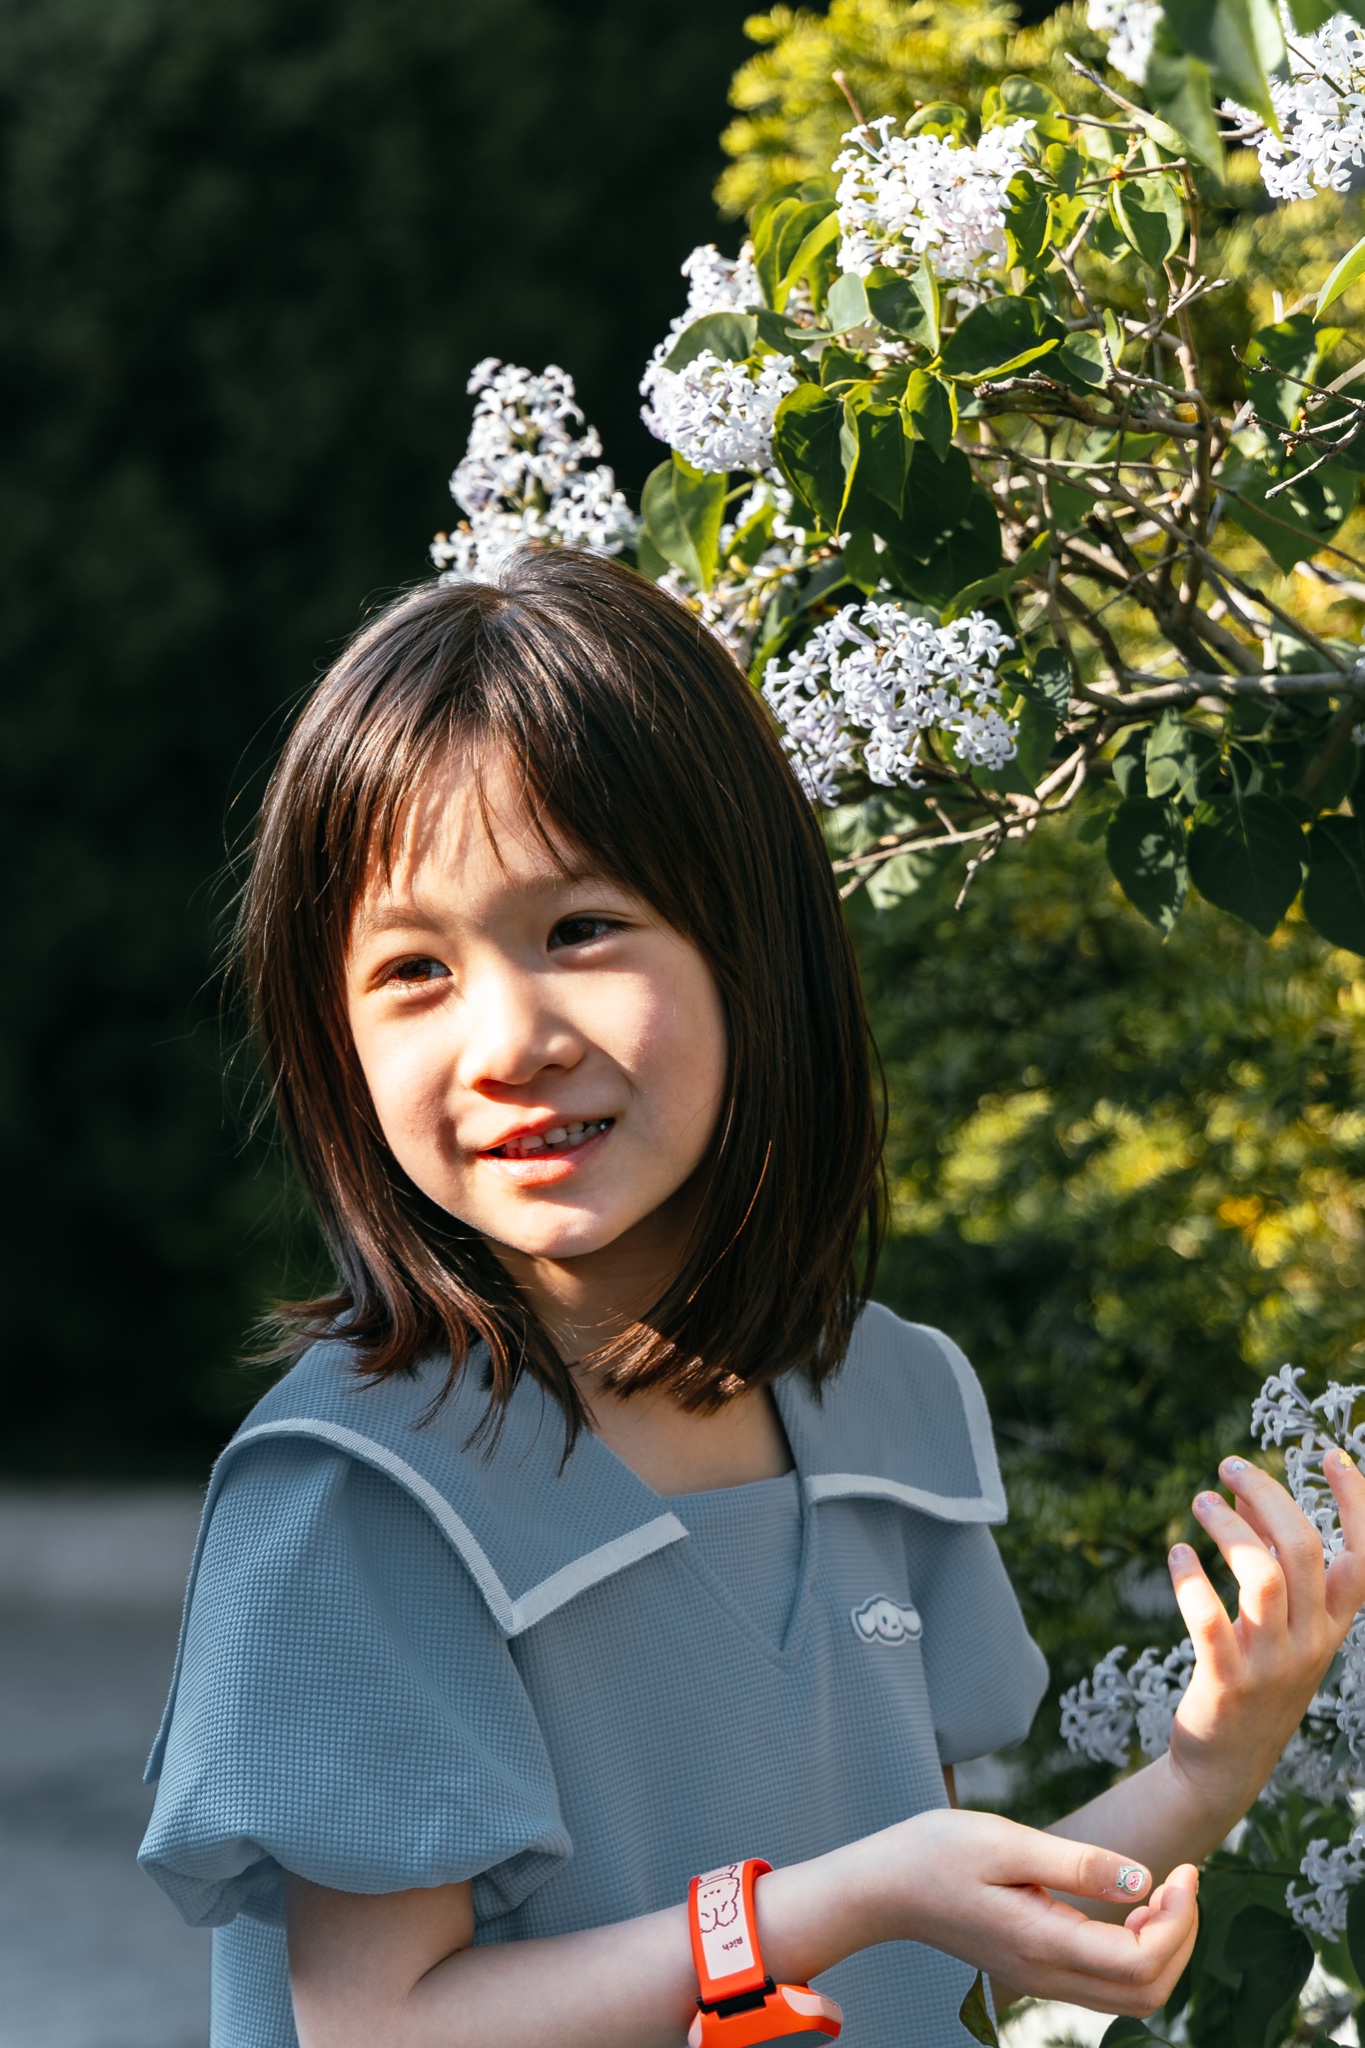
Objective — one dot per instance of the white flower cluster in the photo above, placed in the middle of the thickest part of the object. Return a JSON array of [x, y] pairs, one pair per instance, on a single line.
[[718, 416], [528, 475], [1321, 111], [873, 680], [1330, 1875], [1105, 1713], [1131, 26], [1324, 1760], [902, 196]]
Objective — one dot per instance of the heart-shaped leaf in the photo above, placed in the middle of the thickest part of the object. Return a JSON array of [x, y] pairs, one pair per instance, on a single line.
[[1246, 856], [683, 509], [1146, 848]]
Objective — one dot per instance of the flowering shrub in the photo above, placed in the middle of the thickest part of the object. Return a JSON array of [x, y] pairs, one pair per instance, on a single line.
[[966, 375], [1316, 1790]]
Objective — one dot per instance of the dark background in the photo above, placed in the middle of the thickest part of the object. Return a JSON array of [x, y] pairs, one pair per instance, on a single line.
[[248, 256]]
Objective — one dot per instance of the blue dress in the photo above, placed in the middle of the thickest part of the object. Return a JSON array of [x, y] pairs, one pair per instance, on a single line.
[[407, 1662]]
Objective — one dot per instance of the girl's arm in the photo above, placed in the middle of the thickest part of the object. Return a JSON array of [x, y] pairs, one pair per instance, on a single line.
[[399, 1971], [1253, 1677]]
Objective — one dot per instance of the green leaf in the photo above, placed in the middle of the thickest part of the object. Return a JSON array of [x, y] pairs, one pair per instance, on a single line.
[[1334, 904], [823, 232], [1274, 1957], [729, 336], [807, 427], [975, 2015], [989, 588], [1291, 346], [907, 305], [847, 304], [1180, 760], [1028, 224], [875, 476], [966, 550], [1180, 88], [1240, 41], [648, 560], [1125, 2028], [1151, 214], [1079, 362], [1348, 272], [912, 883], [996, 339], [1051, 680], [683, 509], [778, 334], [1297, 522], [940, 117], [929, 410], [1308, 16], [1246, 856], [1020, 96], [1146, 848], [780, 224], [840, 367], [1355, 1913]]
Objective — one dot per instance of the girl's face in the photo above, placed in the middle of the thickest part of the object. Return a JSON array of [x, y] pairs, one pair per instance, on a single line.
[[546, 1057]]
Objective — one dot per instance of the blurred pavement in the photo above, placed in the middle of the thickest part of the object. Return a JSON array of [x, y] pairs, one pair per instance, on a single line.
[[92, 1955]]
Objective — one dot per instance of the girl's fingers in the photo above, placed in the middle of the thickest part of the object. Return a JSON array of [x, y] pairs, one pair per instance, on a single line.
[[1204, 1614], [1346, 1573], [1060, 1865], [1130, 1968], [1282, 1525], [1261, 1584]]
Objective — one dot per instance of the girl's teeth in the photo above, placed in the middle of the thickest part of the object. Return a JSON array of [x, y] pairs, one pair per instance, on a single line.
[[560, 1134]]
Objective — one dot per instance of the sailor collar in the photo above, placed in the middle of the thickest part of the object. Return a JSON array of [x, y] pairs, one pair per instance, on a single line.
[[903, 1420]]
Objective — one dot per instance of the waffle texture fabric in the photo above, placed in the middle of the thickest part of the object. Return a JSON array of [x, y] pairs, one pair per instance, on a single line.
[[406, 1664]]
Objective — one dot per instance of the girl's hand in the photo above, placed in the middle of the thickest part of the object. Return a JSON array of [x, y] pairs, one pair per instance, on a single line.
[[1254, 1677], [981, 1888]]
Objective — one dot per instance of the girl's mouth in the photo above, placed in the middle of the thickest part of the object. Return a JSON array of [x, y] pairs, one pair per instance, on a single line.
[[558, 1140]]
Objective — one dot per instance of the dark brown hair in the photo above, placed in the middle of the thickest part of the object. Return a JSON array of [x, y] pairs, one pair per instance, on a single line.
[[644, 748]]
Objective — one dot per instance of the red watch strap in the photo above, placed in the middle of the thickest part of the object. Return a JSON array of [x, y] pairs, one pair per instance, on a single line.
[[720, 1913]]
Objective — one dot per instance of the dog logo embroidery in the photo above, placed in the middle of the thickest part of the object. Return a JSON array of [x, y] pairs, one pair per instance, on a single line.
[[880, 1620]]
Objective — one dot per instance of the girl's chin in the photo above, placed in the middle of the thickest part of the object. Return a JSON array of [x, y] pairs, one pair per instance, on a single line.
[[575, 1236]]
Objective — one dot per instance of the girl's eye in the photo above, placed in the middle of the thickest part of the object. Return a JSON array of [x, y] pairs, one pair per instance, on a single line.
[[581, 931], [412, 973]]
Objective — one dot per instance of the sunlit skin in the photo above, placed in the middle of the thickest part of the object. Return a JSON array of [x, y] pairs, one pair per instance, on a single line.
[[492, 996], [495, 998]]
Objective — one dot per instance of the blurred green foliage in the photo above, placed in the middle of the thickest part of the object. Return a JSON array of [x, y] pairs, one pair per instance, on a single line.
[[248, 256], [1129, 1177]]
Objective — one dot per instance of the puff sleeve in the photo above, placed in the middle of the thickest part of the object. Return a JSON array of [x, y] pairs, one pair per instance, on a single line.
[[345, 1708], [984, 1672]]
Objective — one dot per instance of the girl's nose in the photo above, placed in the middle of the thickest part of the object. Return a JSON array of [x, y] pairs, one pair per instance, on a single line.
[[510, 1032]]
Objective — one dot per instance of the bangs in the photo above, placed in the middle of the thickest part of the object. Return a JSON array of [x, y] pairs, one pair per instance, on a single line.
[[644, 759]]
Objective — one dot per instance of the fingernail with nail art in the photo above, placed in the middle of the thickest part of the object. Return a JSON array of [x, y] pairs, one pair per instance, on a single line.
[[1208, 1501], [1131, 1879], [1234, 1465]]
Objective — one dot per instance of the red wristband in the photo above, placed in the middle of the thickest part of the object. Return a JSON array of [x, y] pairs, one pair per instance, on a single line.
[[739, 2004]]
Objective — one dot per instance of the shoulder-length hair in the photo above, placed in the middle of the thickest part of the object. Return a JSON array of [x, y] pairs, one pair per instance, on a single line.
[[645, 750]]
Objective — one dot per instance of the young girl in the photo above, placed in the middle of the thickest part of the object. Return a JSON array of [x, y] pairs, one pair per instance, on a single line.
[[607, 1536]]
